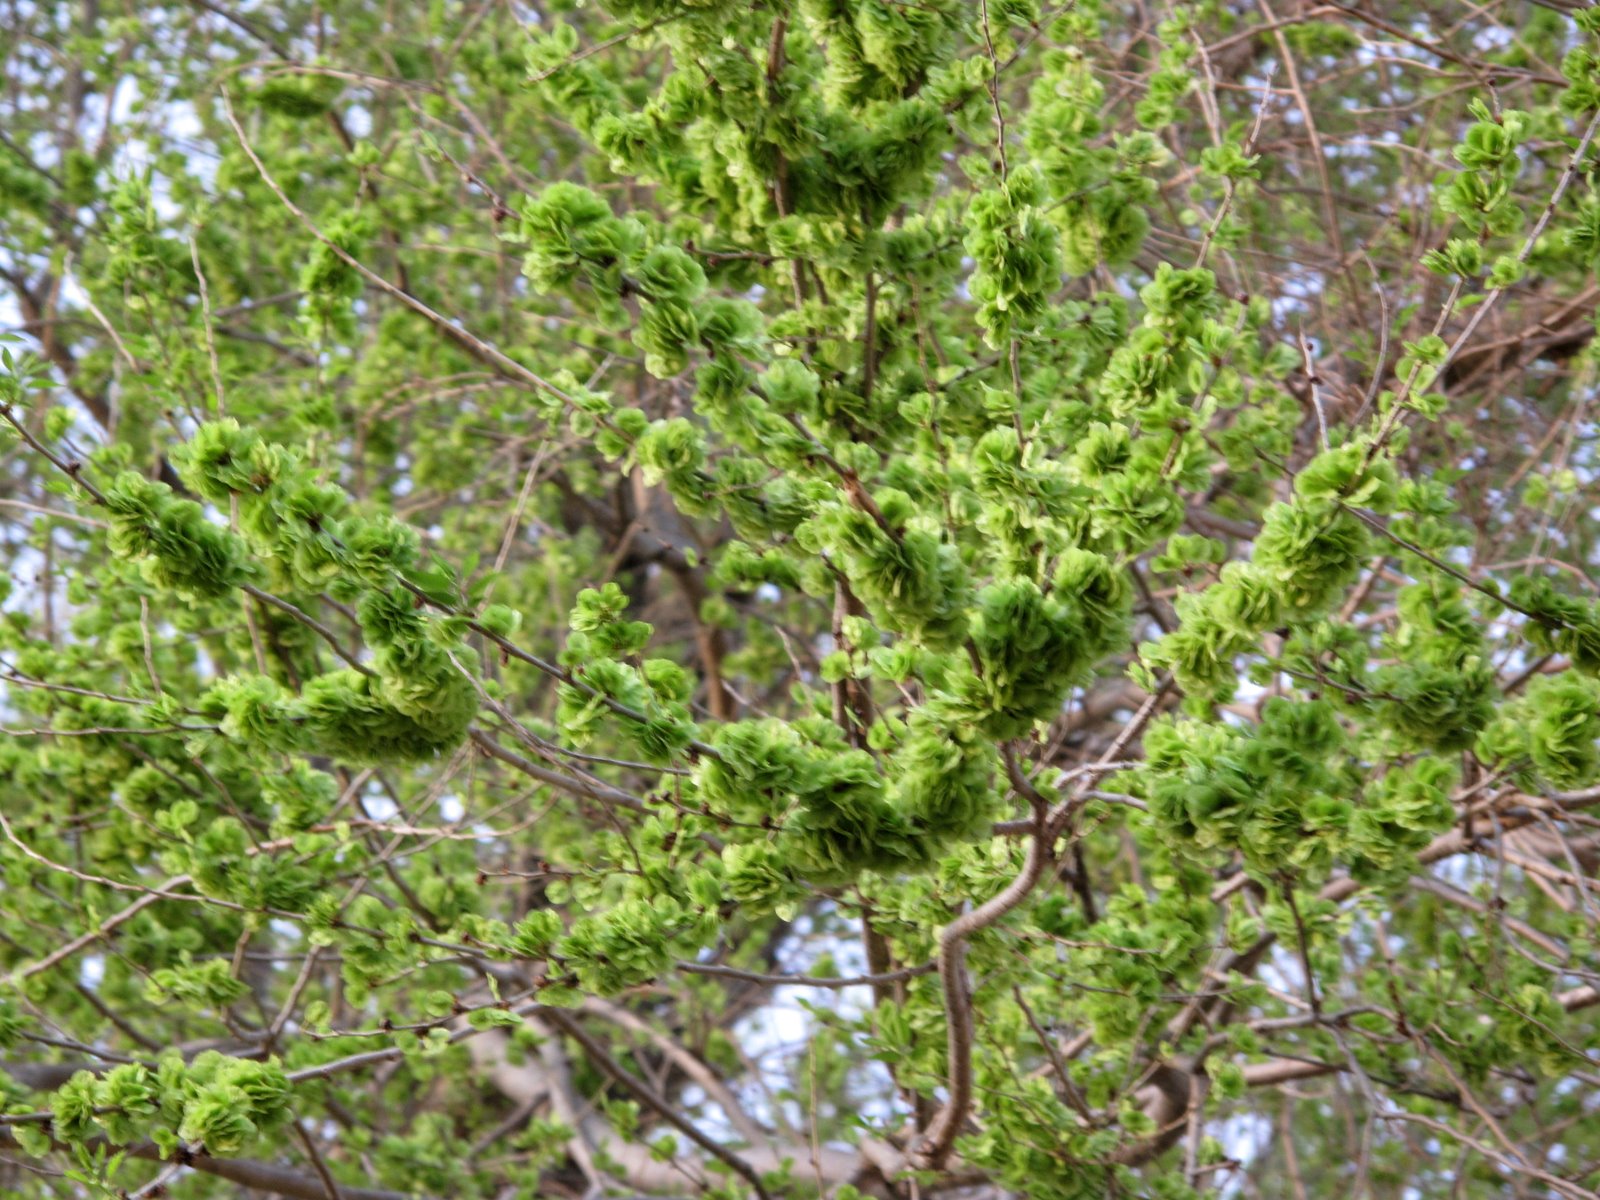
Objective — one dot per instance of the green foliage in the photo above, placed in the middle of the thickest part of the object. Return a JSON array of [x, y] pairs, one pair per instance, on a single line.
[[214, 1103], [1048, 555], [178, 548], [1017, 256]]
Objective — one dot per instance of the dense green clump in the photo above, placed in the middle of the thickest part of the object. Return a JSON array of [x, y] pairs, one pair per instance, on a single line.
[[178, 547], [215, 1103]]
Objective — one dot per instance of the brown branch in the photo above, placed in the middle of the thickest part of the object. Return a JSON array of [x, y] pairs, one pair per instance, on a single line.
[[937, 1141], [259, 1176], [647, 1096], [474, 345]]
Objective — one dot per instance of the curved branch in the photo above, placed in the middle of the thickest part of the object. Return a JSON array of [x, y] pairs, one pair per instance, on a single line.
[[941, 1134]]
